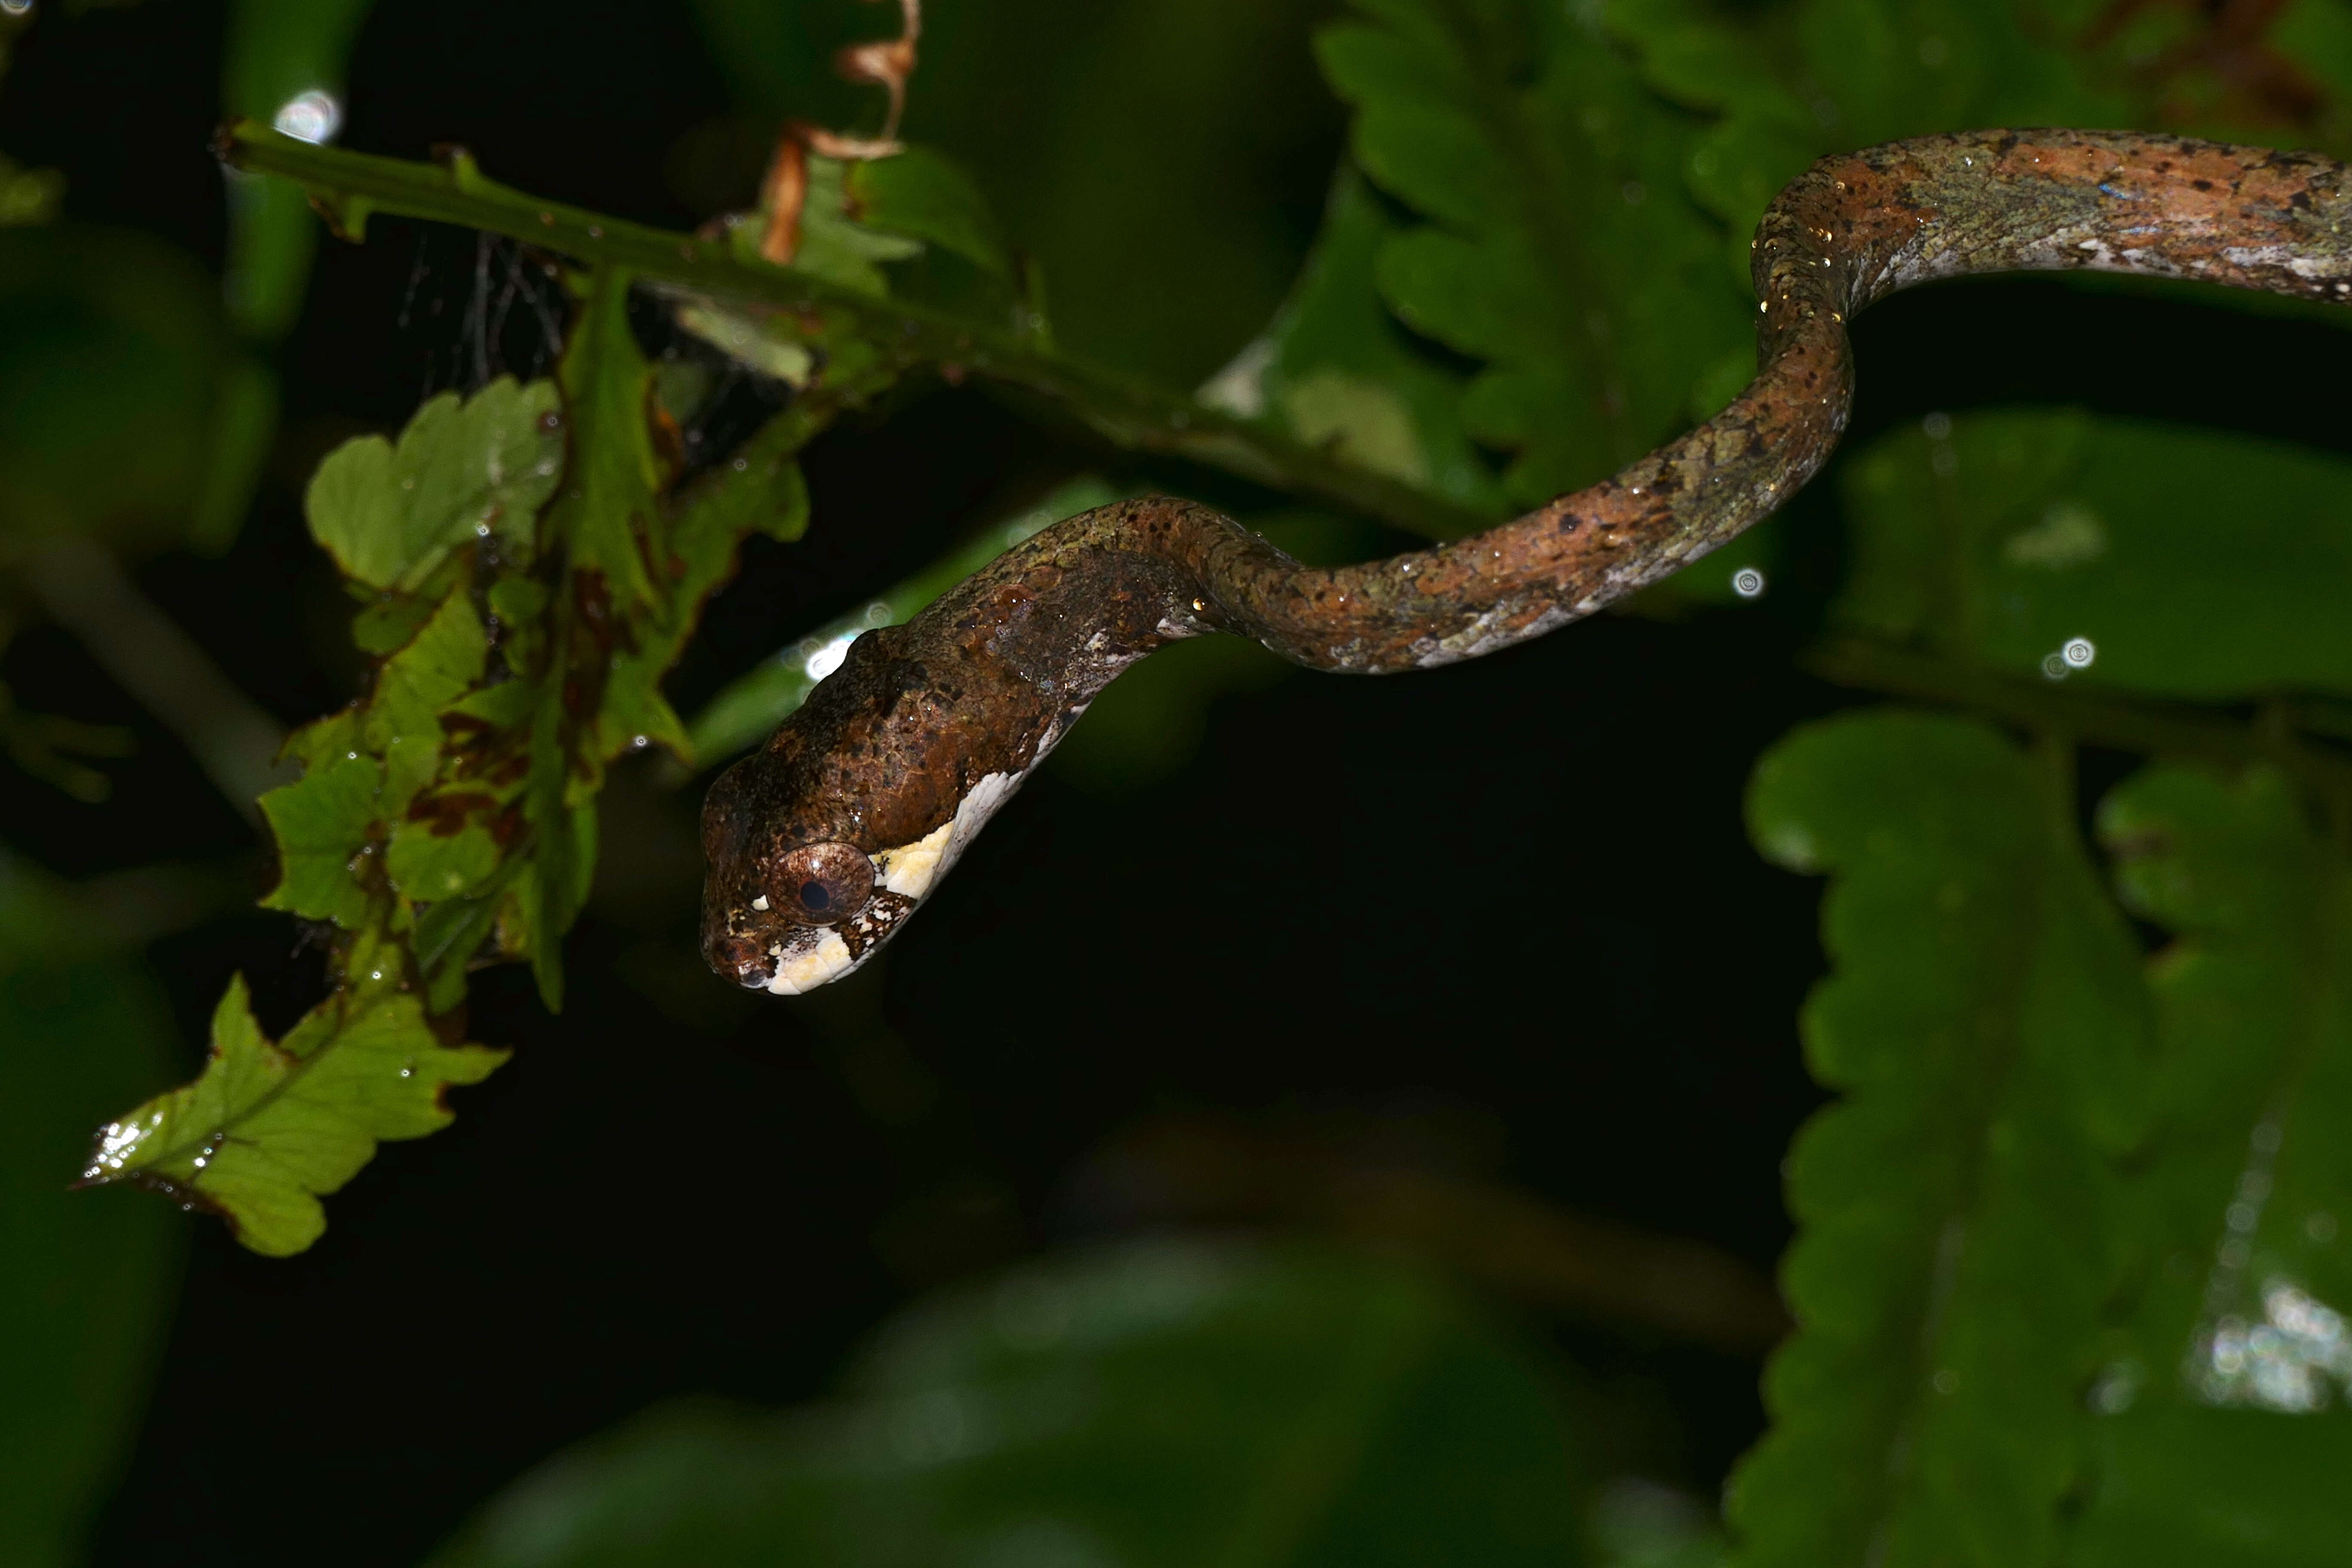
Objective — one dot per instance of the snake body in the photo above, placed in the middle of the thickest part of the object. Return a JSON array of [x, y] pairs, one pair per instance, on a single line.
[[822, 843]]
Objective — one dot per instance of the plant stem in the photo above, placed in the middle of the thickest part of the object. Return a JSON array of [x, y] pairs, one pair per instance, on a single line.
[[346, 187], [2150, 729]]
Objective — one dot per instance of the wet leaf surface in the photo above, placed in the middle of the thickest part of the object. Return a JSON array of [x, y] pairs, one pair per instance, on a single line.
[[2190, 563], [1984, 1024]]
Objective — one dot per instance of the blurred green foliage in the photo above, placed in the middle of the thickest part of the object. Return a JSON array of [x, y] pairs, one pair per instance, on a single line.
[[2224, 1403], [130, 414], [123, 398], [1159, 1402], [2070, 1282], [89, 1284], [285, 62]]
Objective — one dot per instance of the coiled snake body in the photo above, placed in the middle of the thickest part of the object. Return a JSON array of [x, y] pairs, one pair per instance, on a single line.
[[822, 843]]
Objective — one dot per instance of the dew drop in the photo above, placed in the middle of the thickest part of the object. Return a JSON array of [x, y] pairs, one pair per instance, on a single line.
[[314, 116]]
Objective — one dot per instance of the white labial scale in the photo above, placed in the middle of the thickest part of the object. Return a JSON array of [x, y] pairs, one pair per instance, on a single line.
[[828, 959], [912, 871], [912, 868]]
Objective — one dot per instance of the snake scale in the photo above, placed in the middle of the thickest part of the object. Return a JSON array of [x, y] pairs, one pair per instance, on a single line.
[[822, 841]]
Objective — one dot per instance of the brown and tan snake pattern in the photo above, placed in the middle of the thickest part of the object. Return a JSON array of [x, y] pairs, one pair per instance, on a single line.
[[824, 841]]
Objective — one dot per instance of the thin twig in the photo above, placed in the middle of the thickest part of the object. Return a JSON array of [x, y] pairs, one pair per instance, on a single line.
[[1211, 1170], [349, 186], [86, 590]]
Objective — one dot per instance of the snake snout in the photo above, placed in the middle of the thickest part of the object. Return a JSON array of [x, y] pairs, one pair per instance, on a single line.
[[744, 960]]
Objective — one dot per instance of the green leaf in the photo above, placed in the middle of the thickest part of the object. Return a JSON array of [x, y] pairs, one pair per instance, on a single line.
[[562, 866], [923, 195], [915, 209], [324, 742], [270, 1127], [434, 859], [451, 811], [1986, 1026], [2317, 36], [404, 714], [2225, 1406], [324, 823], [604, 517], [479, 468], [1889, 69], [447, 934], [1793, 81], [1339, 371], [833, 244], [502, 707], [2001, 537], [1562, 250], [771, 345], [761, 490], [1165, 1403]]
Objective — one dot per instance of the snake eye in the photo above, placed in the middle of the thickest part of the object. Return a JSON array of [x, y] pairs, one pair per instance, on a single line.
[[820, 884]]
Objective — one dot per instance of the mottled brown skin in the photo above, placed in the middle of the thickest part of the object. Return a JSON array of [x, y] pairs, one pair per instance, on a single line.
[[984, 681]]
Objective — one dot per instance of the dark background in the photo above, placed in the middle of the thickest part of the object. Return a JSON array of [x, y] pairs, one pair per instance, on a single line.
[[1503, 915]]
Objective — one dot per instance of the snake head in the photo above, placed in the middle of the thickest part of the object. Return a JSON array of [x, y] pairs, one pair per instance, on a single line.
[[822, 841]]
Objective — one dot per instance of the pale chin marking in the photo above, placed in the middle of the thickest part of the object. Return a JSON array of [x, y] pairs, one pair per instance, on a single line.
[[828, 959], [912, 871]]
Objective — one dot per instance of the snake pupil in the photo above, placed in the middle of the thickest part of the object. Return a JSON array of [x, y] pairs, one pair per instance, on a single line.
[[814, 898]]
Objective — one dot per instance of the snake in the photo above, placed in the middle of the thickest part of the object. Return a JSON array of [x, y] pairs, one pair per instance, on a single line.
[[821, 844]]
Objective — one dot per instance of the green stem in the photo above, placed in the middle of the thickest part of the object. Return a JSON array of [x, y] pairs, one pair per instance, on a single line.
[[346, 187], [2149, 729]]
